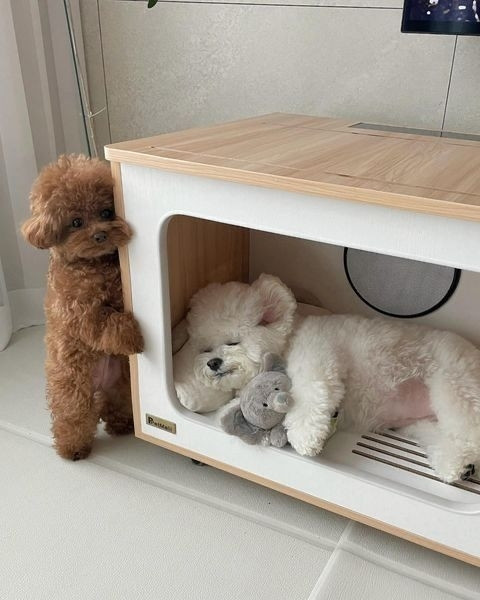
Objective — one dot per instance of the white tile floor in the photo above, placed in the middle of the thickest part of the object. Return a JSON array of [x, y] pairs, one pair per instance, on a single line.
[[136, 521]]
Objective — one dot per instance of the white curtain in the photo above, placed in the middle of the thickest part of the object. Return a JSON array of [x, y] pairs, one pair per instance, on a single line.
[[40, 118]]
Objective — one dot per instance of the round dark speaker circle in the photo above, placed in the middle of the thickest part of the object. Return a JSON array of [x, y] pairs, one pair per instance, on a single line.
[[399, 287]]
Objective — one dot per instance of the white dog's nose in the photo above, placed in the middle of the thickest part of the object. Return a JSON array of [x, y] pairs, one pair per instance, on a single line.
[[215, 363]]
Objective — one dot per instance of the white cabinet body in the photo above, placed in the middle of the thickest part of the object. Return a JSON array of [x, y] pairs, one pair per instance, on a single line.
[[346, 479]]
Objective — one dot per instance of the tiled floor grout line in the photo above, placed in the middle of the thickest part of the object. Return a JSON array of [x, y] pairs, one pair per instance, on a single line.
[[411, 572], [315, 593], [345, 545], [249, 515], [39, 438], [169, 486], [342, 544], [213, 502]]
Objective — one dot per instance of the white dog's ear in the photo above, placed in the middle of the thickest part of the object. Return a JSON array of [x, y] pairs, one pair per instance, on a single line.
[[273, 362], [279, 304]]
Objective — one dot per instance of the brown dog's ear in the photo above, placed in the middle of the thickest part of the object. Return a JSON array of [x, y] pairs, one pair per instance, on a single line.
[[41, 231]]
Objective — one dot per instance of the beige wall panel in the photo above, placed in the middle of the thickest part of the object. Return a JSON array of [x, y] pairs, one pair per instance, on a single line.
[[183, 65], [463, 110]]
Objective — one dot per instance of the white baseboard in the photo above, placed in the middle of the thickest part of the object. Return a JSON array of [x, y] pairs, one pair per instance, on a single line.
[[26, 306], [5, 326]]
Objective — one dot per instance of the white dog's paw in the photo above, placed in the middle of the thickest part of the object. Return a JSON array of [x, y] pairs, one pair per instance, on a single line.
[[450, 468], [306, 445]]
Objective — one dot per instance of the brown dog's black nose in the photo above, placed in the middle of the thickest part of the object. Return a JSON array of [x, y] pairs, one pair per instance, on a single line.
[[215, 363], [100, 236]]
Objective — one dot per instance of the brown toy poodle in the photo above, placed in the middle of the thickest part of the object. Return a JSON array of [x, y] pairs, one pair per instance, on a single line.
[[88, 335]]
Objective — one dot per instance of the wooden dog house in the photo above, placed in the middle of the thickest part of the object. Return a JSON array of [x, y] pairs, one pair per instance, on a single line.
[[285, 194]]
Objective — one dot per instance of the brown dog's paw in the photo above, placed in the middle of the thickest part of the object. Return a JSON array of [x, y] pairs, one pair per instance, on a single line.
[[74, 453], [123, 335], [120, 426]]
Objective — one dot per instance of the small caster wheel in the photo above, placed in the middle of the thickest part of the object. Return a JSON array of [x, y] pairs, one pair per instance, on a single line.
[[469, 471]]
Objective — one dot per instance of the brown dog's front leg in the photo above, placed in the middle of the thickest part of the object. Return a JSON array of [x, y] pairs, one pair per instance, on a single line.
[[121, 335], [105, 330]]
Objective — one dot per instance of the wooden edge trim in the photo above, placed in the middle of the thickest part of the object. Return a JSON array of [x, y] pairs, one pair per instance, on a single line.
[[334, 508], [127, 290], [423, 204]]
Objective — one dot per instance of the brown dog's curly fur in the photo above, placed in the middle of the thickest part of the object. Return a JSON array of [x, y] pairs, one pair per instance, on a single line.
[[88, 335]]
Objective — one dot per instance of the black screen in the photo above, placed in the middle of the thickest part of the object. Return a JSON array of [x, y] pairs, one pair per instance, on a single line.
[[442, 16]]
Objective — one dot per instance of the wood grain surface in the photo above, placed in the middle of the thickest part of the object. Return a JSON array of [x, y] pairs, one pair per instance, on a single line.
[[324, 157]]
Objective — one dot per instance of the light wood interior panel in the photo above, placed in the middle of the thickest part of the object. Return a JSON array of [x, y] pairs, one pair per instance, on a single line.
[[202, 252]]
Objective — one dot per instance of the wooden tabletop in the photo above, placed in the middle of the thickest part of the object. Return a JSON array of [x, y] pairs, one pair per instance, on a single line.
[[323, 157]]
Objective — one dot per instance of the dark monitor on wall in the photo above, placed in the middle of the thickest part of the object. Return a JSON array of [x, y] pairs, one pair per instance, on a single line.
[[457, 17]]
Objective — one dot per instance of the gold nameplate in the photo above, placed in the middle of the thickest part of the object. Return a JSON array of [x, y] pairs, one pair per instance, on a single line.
[[161, 423]]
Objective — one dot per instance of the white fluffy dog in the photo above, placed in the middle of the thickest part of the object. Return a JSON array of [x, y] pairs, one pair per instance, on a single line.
[[378, 373]]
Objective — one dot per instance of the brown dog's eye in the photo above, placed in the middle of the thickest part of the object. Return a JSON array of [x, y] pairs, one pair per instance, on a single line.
[[76, 223], [106, 213]]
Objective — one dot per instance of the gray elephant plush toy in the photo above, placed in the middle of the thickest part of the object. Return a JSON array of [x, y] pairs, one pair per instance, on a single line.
[[256, 415]]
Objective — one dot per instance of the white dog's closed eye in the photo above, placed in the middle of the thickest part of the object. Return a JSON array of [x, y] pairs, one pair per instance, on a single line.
[[226, 367], [232, 326]]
